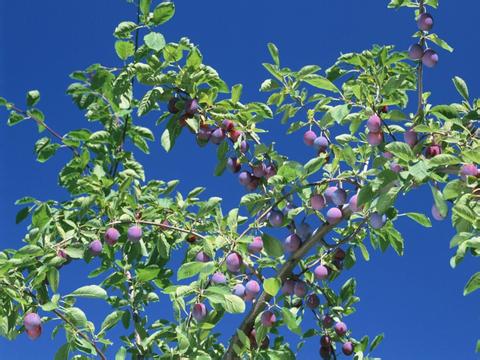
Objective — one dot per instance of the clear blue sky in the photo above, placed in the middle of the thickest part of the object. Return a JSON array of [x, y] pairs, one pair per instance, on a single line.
[[416, 299]]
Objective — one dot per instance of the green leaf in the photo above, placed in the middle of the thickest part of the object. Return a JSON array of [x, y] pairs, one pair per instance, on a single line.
[[440, 203], [33, 97], [386, 200], [194, 58], [472, 284], [420, 218], [121, 354], [234, 304], [124, 29], [90, 291], [273, 247], [63, 352], [111, 320], [274, 53], [154, 41], [376, 341], [272, 286], [236, 92], [291, 170], [446, 112], [14, 118], [291, 322], [124, 49], [320, 82], [77, 317], [145, 6], [461, 86], [401, 150], [365, 195], [190, 269], [442, 43], [53, 277], [22, 214], [163, 12], [149, 273]]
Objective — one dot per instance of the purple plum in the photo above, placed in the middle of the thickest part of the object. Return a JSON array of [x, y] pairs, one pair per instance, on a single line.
[[256, 245], [134, 233], [374, 123], [425, 22], [111, 236], [199, 311], [292, 243], [275, 218], [334, 216], [415, 52], [309, 137], [340, 328], [219, 278], [321, 272], [268, 318], [377, 220], [430, 58], [234, 262], [95, 247]]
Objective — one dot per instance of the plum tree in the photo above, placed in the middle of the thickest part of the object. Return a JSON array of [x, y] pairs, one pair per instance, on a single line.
[[186, 250]]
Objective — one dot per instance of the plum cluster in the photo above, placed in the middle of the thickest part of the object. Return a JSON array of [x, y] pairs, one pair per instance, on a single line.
[[417, 52]]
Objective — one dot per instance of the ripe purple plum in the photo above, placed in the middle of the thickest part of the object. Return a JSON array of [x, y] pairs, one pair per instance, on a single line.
[[245, 178], [233, 164], [395, 167], [253, 184], [202, 257], [270, 171], [425, 22], [410, 137], [244, 147], [300, 289], [339, 197], [325, 352], [34, 333], [31, 320], [347, 348], [234, 262], [325, 341], [320, 143], [329, 194], [377, 220], [375, 139], [430, 58], [252, 288], [275, 218], [191, 107], [204, 134], [95, 247], [256, 245], [327, 321], [433, 150], [312, 301], [111, 236], [321, 272], [134, 233], [228, 125], [374, 123], [387, 155], [334, 216], [199, 311], [317, 202], [309, 137], [436, 214], [415, 52], [172, 108], [268, 318], [235, 135], [468, 170], [292, 243], [287, 287], [219, 278], [218, 135], [340, 328], [239, 290], [259, 170], [339, 254], [353, 204]]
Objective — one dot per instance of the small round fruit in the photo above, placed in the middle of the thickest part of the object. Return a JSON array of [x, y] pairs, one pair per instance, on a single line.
[[219, 278], [259, 170], [34, 333], [312, 301], [292, 243], [353, 204], [256, 245], [375, 139], [415, 52], [134, 233], [317, 202], [430, 58], [325, 352], [268, 318], [377, 220], [252, 288], [320, 143], [217, 136], [228, 125], [374, 123], [287, 287], [172, 108], [468, 170], [436, 214], [233, 164], [339, 197], [300, 289], [334, 216], [95, 247], [245, 178], [321, 272], [329, 194], [325, 341], [425, 22], [309, 137], [275, 218], [327, 321], [244, 147], [433, 150], [304, 231], [191, 107], [396, 168], [31, 321], [270, 171], [199, 311], [111, 236], [234, 262], [202, 257], [347, 348], [339, 254], [340, 328], [239, 290], [410, 137], [235, 135]]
